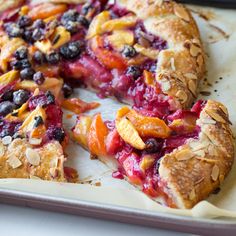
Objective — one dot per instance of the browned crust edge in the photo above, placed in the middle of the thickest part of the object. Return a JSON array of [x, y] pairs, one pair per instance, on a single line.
[[196, 169], [180, 67]]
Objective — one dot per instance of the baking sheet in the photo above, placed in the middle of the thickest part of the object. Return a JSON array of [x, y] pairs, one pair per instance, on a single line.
[[218, 30]]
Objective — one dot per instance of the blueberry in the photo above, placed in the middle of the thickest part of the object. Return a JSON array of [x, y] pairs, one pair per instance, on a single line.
[[37, 34], [38, 121], [39, 57], [13, 30], [21, 53], [16, 65], [38, 24], [27, 74], [6, 107], [24, 21], [27, 36], [152, 145], [21, 64], [58, 134], [72, 27], [71, 50], [25, 63], [20, 97], [50, 98], [134, 71], [70, 15], [67, 90], [38, 78], [83, 21], [129, 51], [7, 96], [53, 58]]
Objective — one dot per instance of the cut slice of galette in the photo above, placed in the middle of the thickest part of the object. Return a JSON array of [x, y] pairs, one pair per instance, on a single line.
[[179, 159]]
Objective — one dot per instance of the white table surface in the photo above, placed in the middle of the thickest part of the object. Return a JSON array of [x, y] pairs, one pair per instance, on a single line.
[[21, 221]]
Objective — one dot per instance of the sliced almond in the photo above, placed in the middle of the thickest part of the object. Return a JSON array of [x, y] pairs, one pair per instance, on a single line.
[[215, 172], [181, 12], [165, 85], [211, 161], [129, 134], [2, 150], [14, 162], [208, 121], [200, 153], [190, 76], [172, 63], [194, 50], [200, 60], [184, 155], [35, 141], [32, 156], [192, 87], [213, 114], [6, 140], [182, 96]]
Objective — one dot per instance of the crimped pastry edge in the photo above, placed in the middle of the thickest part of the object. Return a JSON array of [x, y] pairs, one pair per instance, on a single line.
[[192, 180], [51, 161], [180, 67]]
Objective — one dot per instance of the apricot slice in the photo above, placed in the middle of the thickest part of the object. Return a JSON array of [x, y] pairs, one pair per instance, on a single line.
[[148, 126], [96, 136], [46, 10]]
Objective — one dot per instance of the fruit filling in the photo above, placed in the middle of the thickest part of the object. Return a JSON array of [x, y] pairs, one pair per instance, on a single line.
[[32, 115], [138, 142], [102, 46]]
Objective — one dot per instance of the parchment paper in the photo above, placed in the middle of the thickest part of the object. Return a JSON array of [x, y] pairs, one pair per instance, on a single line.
[[218, 30]]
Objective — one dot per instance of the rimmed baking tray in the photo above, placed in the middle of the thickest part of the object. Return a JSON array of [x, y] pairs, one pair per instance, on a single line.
[[218, 29]]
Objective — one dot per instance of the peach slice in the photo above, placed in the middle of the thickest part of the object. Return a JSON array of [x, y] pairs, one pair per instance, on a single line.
[[129, 134], [8, 77], [28, 124], [78, 106], [81, 130], [119, 23], [148, 52], [120, 38], [96, 136], [63, 35], [46, 10], [95, 26], [146, 162], [7, 50]]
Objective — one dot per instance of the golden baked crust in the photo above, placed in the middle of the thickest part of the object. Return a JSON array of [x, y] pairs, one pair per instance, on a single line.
[[14, 162], [194, 170], [180, 67]]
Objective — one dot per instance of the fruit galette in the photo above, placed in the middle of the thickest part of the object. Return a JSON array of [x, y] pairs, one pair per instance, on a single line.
[[147, 54]]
